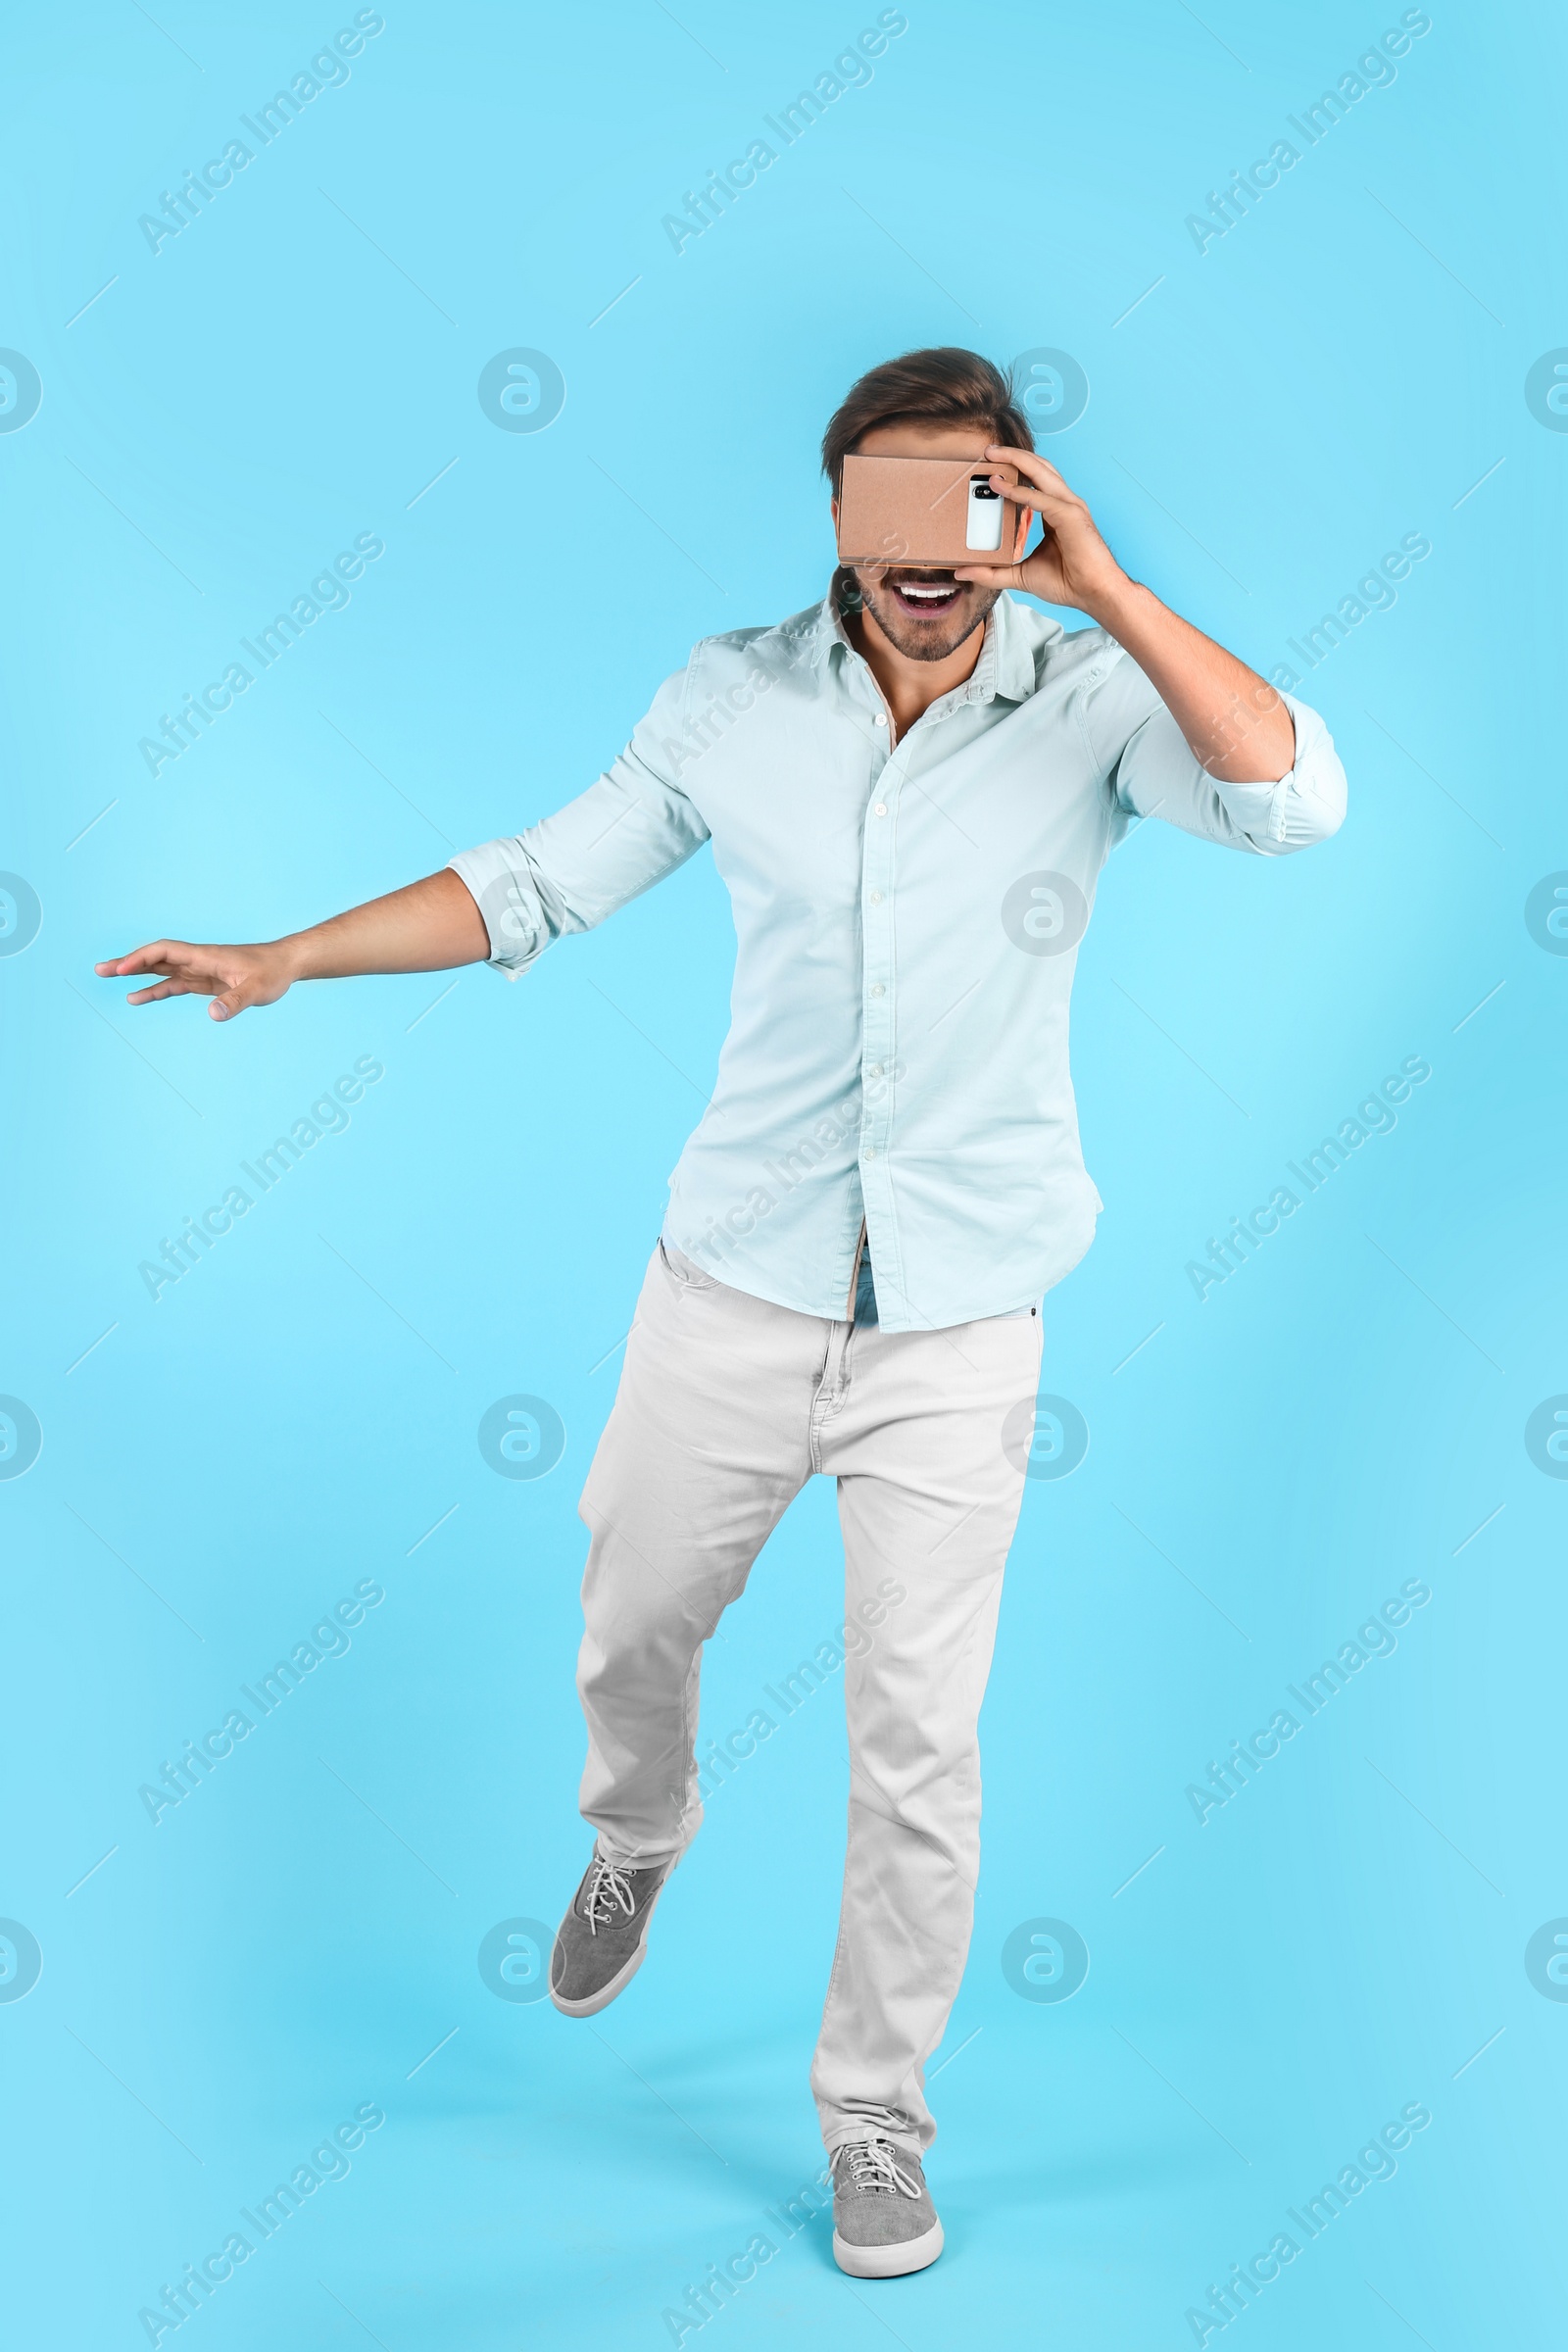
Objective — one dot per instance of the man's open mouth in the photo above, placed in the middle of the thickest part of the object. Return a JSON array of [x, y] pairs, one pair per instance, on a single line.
[[922, 598]]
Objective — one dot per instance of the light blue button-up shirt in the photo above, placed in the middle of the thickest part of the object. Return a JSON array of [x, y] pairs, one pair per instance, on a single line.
[[908, 919]]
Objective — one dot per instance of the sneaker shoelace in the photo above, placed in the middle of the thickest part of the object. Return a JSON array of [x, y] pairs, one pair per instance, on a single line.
[[608, 1891], [872, 2166]]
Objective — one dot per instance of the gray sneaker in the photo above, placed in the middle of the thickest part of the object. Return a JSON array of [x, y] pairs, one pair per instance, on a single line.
[[884, 2223], [600, 1943]]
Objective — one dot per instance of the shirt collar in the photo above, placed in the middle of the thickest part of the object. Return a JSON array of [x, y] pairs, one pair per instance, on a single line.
[[1006, 667]]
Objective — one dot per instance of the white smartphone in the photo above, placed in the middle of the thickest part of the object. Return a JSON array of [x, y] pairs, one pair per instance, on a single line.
[[983, 522]]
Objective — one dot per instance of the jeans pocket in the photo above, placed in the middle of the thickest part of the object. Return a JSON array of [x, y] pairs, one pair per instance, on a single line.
[[680, 1271]]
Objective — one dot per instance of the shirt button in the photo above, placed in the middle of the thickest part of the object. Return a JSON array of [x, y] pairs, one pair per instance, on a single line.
[[880, 809], [877, 989], [875, 1071], [868, 1153], [876, 898], [879, 720]]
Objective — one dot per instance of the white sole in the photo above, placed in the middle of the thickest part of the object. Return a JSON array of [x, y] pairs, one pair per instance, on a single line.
[[888, 2262], [607, 1993]]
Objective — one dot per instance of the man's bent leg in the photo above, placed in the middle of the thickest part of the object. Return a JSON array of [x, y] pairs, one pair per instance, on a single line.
[[929, 1501], [706, 1443]]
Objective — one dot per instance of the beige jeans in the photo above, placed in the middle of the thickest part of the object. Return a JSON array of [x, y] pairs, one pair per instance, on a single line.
[[726, 1406]]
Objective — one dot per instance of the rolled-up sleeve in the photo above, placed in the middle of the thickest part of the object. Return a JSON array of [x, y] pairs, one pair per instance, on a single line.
[[1151, 772], [614, 841]]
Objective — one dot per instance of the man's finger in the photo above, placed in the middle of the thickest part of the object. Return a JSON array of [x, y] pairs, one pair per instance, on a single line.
[[1029, 463], [1009, 575], [1045, 501], [138, 960], [167, 985]]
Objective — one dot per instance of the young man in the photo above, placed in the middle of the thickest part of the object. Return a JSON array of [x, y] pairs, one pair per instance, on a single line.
[[909, 790]]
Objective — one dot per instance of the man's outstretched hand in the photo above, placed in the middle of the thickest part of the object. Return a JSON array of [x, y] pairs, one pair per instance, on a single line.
[[235, 978], [432, 926]]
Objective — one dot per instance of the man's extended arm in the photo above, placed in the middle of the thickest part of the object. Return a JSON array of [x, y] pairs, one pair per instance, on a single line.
[[503, 902], [1237, 727], [427, 927]]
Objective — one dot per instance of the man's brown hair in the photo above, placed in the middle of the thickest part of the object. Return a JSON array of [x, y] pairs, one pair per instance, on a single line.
[[945, 386]]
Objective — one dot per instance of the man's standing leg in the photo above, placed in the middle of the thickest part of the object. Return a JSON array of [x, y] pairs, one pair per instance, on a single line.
[[928, 1500]]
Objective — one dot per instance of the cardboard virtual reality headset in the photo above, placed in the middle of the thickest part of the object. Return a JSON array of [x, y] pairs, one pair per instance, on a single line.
[[937, 511]]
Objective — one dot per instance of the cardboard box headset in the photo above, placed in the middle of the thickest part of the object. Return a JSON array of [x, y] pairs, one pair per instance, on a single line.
[[935, 511]]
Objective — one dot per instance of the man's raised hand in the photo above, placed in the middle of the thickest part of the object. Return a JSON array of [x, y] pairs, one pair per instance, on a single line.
[[1072, 564]]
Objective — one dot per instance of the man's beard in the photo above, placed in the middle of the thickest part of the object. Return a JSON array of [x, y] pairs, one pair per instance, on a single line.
[[925, 636]]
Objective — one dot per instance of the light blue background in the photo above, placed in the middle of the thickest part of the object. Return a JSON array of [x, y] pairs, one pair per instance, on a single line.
[[298, 1411]]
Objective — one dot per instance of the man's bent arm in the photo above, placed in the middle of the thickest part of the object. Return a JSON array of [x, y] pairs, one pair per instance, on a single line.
[[1237, 728], [427, 927]]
